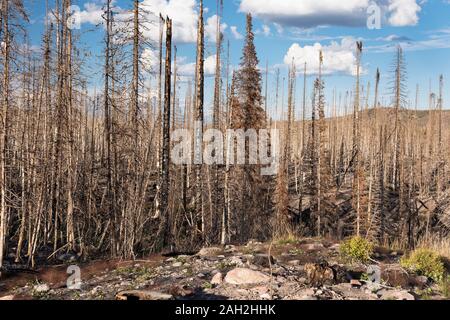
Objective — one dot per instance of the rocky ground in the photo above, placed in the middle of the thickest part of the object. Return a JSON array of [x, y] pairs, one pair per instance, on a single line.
[[304, 270]]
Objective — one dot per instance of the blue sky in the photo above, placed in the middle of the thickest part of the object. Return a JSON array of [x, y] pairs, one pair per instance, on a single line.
[[292, 29]]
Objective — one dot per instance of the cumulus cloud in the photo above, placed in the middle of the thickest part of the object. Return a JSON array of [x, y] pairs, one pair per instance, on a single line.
[[188, 69], [183, 13], [313, 13], [211, 28], [236, 33], [337, 57], [150, 59], [92, 14], [404, 12]]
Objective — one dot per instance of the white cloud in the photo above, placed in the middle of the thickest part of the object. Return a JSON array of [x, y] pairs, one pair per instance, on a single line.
[[265, 30], [236, 33], [183, 14], [404, 12], [92, 14], [337, 57], [188, 69], [150, 59], [211, 28], [313, 13]]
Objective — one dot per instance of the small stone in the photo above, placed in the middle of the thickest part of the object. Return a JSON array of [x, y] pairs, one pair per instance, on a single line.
[[41, 288], [262, 260], [355, 283], [96, 290], [230, 248], [265, 296], [201, 275], [261, 290], [7, 298], [302, 280], [217, 279], [236, 261], [171, 260], [294, 263], [177, 264], [305, 294]]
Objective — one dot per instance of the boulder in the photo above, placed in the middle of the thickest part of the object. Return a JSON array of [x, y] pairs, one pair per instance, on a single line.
[[262, 260], [396, 295], [346, 291], [420, 282], [210, 252], [242, 276], [315, 246], [396, 276]]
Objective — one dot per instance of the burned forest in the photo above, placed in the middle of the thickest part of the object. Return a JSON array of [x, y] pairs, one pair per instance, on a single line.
[[88, 166]]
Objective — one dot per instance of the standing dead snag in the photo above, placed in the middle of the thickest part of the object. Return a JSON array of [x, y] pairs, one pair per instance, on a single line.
[[356, 154], [164, 233], [4, 127], [199, 118]]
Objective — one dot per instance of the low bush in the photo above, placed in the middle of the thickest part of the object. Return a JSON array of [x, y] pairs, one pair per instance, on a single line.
[[425, 262], [356, 250]]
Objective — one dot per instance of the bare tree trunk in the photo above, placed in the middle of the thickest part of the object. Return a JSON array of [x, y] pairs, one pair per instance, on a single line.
[[4, 128], [198, 127], [164, 233]]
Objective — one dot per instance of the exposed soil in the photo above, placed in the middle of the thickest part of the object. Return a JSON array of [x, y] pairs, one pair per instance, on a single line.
[[206, 275]]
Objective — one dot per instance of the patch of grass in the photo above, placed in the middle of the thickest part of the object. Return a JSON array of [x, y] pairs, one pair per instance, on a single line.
[[439, 245], [139, 273], [296, 252], [425, 262], [445, 286], [222, 265], [207, 285], [289, 239], [425, 294], [356, 250]]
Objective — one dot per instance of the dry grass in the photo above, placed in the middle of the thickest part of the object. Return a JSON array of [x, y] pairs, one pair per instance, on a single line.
[[438, 245]]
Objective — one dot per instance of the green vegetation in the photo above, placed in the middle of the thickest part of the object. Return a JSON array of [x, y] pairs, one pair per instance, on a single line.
[[445, 286], [356, 250], [425, 262]]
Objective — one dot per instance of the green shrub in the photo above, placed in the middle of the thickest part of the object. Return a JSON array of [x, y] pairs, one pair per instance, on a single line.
[[356, 249], [425, 262]]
